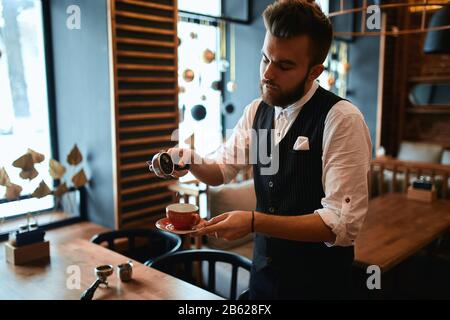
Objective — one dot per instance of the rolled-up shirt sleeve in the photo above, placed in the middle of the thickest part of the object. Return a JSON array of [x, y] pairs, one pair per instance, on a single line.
[[233, 155], [347, 152]]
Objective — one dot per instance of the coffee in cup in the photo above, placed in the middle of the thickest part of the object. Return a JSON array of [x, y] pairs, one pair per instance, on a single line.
[[183, 216]]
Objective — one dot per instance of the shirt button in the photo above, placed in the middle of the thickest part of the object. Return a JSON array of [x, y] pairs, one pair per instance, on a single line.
[[270, 184], [279, 133], [271, 209]]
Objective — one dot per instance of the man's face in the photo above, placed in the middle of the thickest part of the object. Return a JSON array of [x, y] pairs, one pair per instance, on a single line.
[[284, 69]]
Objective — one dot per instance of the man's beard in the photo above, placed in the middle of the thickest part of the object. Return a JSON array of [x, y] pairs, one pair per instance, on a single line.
[[282, 99]]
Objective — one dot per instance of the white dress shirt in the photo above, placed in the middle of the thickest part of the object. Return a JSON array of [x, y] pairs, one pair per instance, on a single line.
[[346, 156]]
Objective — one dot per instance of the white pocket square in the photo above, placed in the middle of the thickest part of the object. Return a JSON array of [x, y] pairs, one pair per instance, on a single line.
[[302, 143]]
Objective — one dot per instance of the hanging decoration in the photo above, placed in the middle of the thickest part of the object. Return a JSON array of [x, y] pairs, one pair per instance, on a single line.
[[13, 191], [36, 156], [74, 157], [188, 75], [61, 190], [228, 108], [208, 56], [41, 191], [232, 85], [79, 179], [56, 170], [4, 178], [198, 112], [217, 85], [26, 163]]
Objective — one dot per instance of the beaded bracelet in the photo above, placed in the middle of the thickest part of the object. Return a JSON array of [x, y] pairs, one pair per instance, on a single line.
[[253, 221]]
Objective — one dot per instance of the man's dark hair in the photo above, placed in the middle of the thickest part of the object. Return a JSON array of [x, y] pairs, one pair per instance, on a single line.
[[291, 18]]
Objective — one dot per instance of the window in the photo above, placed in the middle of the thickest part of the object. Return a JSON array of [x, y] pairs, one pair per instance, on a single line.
[[24, 121], [197, 38], [210, 7]]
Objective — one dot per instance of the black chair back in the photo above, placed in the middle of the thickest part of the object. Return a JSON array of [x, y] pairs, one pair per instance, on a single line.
[[180, 265], [157, 243]]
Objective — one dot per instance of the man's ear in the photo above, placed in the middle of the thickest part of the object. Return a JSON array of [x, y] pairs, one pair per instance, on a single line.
[[315, 72]]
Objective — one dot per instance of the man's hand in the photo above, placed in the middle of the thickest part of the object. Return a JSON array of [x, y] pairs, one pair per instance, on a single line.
[[208, 173], [229, 226], [180, 157]]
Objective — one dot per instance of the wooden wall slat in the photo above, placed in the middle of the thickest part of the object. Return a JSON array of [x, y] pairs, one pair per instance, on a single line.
[[147, 91], [148, 4], [146, 79], [156, 115], [144, 212], [138, 54], [146, 103], [138, 153], [128, 27], [145, 47], [147, 17], [157, 43], [143, 188]]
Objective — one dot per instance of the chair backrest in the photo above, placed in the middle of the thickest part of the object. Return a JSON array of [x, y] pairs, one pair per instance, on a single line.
[[180, 265], [390, 173], [140, 244]]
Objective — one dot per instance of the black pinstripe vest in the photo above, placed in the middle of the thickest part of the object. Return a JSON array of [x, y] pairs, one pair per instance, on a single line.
[[295, 189]]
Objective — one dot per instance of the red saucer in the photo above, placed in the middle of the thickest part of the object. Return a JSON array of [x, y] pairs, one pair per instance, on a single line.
[[165, 225]]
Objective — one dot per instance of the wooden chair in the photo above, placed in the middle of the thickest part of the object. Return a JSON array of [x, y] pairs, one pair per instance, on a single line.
[[401, 172]]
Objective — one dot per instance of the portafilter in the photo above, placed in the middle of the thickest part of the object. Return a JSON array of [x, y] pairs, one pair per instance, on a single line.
[[162, 165]]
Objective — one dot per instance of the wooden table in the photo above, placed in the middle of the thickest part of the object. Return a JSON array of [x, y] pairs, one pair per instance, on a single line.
[[69, 247], [396, 227]]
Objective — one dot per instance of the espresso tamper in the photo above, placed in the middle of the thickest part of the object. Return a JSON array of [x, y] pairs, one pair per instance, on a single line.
[[102, 272]]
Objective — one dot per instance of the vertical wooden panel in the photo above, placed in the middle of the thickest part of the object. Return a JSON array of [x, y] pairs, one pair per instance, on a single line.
[[144, 53]]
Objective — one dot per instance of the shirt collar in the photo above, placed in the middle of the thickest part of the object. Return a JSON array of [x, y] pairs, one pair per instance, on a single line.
[[296, 106]]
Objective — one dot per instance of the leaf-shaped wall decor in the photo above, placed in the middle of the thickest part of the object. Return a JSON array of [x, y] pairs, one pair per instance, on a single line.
[[61, 190], [29, 174], [74, 157], [4, 178], [57, 170], [79, 179], [41, 191], [25, 162], [36, 156], [13, 191]]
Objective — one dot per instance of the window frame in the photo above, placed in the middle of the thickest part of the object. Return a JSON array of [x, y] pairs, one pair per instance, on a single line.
[[53, 130]]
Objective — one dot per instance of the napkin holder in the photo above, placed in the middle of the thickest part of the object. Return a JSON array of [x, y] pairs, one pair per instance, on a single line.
[[421, 194], [27, 246]]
